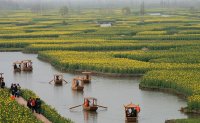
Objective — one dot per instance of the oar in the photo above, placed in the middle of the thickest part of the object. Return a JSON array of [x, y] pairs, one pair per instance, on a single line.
[[102, 106], [50, 81], [65, 81], [75, 106]]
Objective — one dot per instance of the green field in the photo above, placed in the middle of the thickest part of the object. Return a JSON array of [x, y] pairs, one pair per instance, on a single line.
[[165, 49]]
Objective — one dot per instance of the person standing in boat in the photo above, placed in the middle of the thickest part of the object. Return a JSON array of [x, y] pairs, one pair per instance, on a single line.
[[57, 78], [15, 66], [87, 102], [77, 83], [133, 112]]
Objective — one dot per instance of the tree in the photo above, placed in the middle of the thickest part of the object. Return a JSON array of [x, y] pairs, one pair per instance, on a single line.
[[192, 9], [126, 11], [64, 11], [36, 8], [142, 11]]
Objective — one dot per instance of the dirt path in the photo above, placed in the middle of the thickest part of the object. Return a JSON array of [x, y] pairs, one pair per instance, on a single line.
[[23, 102]]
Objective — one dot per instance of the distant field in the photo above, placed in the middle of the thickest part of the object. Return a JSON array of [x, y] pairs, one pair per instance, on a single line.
[[164, 47]]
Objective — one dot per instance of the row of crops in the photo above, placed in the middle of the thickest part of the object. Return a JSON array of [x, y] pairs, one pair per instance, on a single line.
[[163, 56], [105, 46], [107, 62], [184, 81]]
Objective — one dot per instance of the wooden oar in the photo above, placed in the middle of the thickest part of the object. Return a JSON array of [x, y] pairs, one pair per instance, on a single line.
[[75, 106], [102, 106], [65, 81], [50, 81]]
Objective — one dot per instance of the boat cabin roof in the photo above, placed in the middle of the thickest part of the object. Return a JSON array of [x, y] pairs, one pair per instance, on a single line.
[[90, 98], [58, 75], [17, 62], [131, 105], [86, 72], [26, 61], [78, 78]]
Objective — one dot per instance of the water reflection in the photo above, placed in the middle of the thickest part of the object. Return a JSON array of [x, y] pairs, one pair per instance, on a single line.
[[90, 117], [77, 94]]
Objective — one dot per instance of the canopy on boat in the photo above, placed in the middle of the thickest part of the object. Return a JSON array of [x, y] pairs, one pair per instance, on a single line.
[[86, 72], [131, 105], [78, 78], [26, 61], [90, 98], [58, 75], [74, 82], [17, 62]]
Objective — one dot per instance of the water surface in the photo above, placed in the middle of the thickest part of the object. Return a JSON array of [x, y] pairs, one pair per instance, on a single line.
[[156, 107]]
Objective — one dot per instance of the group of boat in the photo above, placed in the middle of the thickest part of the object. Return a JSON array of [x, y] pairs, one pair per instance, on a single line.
[[89, 103], [77, 82]]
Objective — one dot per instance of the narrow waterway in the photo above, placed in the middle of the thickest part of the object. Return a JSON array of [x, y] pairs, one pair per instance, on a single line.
[[156, 107]]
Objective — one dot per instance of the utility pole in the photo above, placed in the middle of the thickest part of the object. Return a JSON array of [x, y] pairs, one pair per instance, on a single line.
[[142, 8]]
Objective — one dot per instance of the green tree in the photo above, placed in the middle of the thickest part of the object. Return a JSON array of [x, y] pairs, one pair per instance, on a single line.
[[64, 11], [36, 8], [126, 11]]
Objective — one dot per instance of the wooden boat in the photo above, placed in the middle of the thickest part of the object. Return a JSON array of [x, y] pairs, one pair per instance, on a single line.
[[87, 77], [58, 79], [90, 104], [77, 84], [131, 111], [26, 65]]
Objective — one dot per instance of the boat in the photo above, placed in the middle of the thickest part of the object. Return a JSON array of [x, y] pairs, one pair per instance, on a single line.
[[77, 84], [87, 77], [26, 65], [131, 112], [90, 104], [58, 79]]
